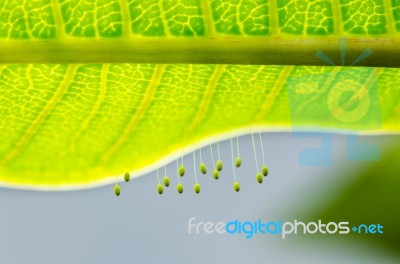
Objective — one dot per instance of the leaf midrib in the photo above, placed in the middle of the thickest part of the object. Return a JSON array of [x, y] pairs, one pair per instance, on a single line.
[[216, 50]]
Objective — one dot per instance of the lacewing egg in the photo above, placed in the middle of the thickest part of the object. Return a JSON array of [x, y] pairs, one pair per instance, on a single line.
[[259, 178], [117, 190], [203, 168], [238, 162], [127, 177], [216, 174], [179, 188], [219, 165], [160, 189], [264, 170], [166, 181], [196, 188], [181, 170], [236, 186]]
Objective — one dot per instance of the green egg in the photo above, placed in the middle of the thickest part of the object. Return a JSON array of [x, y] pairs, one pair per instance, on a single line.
[[196, 188], [179, 188], [160, 189], [219, 165], [236, 186], [181, 170], [127, 177], [238, 162], [216, 174], [259, 178], [264, 170], [166, 181], [117, 190], [203, 168]]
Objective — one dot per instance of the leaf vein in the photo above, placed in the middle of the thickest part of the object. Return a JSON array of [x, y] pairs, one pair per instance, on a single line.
[[30, 132], [155, 80]]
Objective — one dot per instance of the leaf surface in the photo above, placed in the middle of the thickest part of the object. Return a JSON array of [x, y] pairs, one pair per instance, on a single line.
[[91, 89], [285, 32]]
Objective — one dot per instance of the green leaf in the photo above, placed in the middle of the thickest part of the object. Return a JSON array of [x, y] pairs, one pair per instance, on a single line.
[[74, 124], [142, 96], [284, 32], [372, 198]]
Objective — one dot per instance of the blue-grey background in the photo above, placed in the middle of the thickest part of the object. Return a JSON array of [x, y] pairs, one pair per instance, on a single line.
[[140, 226]]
